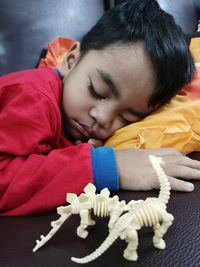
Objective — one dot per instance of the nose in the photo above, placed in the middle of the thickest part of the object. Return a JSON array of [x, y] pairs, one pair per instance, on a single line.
[[104, 116]]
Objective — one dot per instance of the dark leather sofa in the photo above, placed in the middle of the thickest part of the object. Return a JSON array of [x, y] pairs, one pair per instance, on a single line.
[[25, 28]]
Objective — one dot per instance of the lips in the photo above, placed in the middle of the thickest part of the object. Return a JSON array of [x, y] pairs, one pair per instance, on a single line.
[[84, 130]]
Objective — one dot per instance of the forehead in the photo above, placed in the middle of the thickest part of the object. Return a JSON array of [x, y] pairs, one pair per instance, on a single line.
[[130, 68], [128, 59], [124, 61]]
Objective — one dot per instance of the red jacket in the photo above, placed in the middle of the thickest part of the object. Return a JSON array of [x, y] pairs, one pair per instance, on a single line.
[[38, 165]]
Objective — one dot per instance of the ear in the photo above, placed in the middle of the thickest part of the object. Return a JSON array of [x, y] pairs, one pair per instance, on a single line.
[[70, 59]]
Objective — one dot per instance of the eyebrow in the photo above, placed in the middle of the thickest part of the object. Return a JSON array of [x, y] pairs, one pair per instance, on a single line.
[[109, 81], [105, 77]]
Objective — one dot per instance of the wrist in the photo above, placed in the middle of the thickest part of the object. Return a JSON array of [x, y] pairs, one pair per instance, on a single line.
[[119, 164], [104, 168]]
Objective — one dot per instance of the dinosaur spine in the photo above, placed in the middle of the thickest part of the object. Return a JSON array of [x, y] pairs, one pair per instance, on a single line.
[[55, 227], [164, 194]]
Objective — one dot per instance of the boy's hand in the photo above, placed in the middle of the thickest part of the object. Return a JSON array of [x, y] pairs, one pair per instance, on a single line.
[[93, 142], [136, 172]]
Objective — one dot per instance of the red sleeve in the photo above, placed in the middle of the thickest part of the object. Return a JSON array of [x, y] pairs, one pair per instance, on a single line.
[[38, 183], [37, 166]]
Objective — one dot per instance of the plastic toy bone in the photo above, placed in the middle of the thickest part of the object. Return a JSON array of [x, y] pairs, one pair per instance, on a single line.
[[101, 204], [150, 212]]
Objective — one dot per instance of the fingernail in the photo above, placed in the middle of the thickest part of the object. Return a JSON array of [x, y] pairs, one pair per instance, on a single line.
[[190, 187]]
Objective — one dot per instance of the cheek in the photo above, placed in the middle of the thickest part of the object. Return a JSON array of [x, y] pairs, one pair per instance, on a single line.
[[70, 100], [75, 101], [116, 125]]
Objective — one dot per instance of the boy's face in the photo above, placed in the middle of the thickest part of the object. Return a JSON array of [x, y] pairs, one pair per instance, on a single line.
[[106, 90]]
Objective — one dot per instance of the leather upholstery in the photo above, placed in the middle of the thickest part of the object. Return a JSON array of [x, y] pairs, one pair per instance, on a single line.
[[27, 26], [18, 237], [185, 13]]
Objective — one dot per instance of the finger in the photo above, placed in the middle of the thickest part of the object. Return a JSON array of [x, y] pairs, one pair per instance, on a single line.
[[182, 160], [189, 162], [78, 142], [179, 185], [165, 152], [95, 143], [184, 172]]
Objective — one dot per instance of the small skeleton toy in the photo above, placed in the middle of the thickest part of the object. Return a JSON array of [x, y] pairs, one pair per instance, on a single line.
[[101, 204], [125, 219]]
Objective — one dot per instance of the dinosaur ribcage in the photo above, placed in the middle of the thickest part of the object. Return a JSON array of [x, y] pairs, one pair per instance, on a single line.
[[147, 215], [100, 207]]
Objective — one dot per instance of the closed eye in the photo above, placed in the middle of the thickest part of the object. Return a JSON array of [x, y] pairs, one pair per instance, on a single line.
[[125, 121], [93, 93]]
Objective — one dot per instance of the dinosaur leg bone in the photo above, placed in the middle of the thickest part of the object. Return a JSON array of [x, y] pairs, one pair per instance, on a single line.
[[86, 220], [160, 230], [130, 253]]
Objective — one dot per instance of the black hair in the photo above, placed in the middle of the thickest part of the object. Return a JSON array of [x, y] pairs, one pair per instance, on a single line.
[[144, 21]]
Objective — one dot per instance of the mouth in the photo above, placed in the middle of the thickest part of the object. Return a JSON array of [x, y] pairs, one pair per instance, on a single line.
[[85, 130]]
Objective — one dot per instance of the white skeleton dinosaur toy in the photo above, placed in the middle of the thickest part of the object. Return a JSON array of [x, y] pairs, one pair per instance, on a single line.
[[101, 204], [150, 212], [125, 219]]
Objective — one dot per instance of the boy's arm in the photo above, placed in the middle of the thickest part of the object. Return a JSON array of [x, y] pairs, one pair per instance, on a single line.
[[38, 182]]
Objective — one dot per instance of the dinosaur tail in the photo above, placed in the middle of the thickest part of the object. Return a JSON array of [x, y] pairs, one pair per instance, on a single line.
[[100, 250], [119, 227], [163, 179], [65, 213]]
